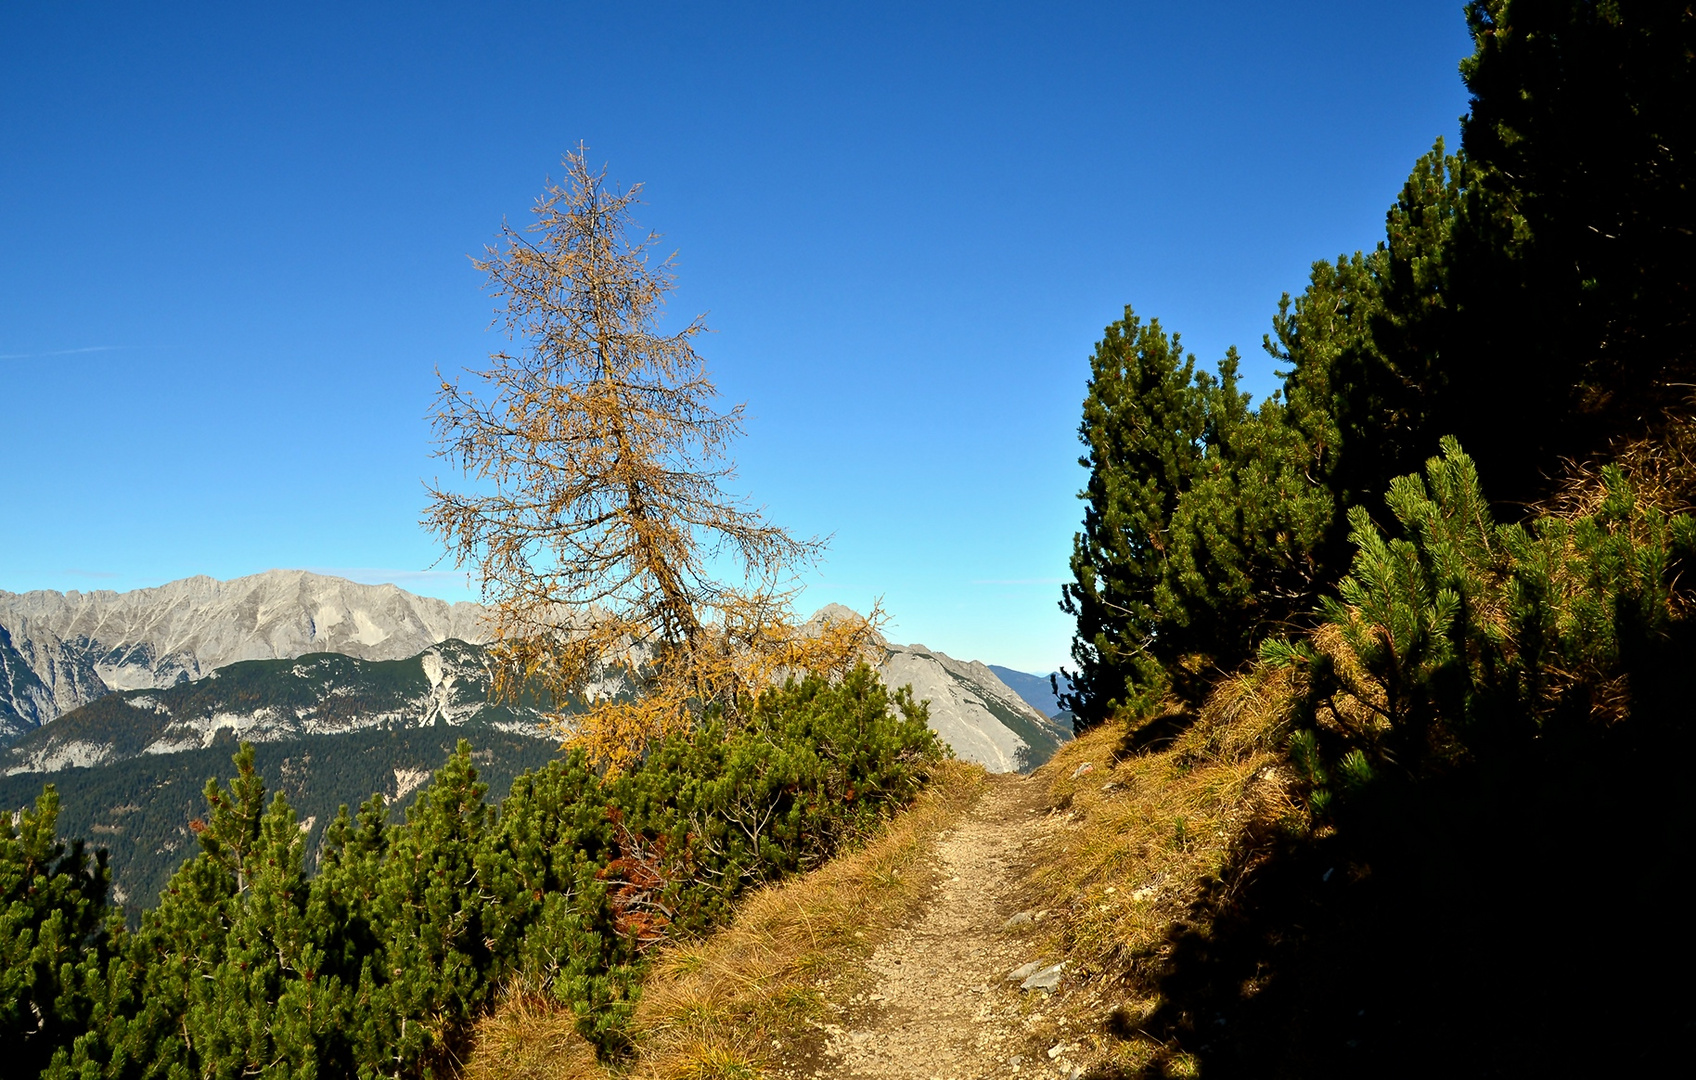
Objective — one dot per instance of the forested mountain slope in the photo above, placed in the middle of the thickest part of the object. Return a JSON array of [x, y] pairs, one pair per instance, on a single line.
[[330, 729], [143, 810]]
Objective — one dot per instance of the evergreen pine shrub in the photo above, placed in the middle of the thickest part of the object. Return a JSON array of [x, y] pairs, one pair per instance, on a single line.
[[1462, 638]]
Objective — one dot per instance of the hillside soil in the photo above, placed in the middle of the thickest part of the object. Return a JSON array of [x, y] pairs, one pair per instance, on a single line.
[[938, 1003]]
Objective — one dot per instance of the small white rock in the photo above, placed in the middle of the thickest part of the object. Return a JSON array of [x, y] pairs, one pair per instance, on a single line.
[[1045, 979]]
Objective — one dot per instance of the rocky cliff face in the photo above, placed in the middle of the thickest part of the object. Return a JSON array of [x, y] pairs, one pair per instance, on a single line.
[[974, 711], [971, 709], [59, 651], [271, 701]]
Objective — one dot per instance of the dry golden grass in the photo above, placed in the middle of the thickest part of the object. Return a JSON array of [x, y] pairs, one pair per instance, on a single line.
[[1148, 836], [1661, 469], [530, 1036], [734, 1004]]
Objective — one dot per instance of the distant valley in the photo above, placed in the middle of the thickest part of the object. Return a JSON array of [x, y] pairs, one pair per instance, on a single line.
[[1037, 690]]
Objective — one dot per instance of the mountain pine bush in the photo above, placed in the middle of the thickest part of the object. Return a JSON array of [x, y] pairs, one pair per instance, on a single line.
[[1480, 867], [1464, 639], [56, 933]]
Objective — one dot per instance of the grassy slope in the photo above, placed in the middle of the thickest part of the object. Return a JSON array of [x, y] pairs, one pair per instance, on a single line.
[[1163, 829], [736, 1002]]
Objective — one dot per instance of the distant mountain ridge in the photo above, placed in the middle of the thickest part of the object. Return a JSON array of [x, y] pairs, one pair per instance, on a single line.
[[1035, 689], [105, 658], [974, 711], [269, 701], [59, 651]]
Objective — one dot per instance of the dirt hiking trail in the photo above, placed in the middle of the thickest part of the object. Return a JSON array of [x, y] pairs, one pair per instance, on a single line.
[[942, 1007]]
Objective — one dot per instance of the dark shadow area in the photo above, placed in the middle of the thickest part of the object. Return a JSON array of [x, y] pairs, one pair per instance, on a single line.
[[1528, 915], [1156, 733]]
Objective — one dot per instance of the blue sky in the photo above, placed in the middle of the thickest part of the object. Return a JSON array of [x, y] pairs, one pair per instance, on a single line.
[[233, 248]]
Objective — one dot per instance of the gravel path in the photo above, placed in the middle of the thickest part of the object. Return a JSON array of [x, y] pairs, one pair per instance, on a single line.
[[943, 1008]]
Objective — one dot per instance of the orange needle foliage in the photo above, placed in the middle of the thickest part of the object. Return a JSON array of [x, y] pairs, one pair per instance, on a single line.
[[597, 516]]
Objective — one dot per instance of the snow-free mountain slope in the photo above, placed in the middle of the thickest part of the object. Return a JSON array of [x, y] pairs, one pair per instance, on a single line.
[[59, 651], [1037, 690], [63, 651], [971, 709], [271, 701]]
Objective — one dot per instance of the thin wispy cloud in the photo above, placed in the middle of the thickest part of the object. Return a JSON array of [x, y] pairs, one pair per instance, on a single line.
[[61, 352]]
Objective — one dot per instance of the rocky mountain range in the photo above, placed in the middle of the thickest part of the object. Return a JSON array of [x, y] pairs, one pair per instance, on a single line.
[[59, 651], [274, 701], [974, 711], [63, 652]]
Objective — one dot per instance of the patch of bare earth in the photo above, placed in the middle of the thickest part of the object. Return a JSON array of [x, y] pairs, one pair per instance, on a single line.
[[938, 1003]]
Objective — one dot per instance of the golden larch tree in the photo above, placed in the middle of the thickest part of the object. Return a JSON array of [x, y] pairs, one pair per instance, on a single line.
[[597, 522]]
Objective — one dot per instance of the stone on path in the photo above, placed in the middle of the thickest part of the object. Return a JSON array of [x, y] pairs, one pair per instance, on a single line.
[[1046, 979]]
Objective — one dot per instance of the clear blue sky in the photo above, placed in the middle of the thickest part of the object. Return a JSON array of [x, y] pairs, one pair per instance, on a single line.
[[233, 247]]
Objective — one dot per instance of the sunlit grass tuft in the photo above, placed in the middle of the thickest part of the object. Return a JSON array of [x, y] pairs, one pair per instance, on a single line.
[[530, 1036]]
